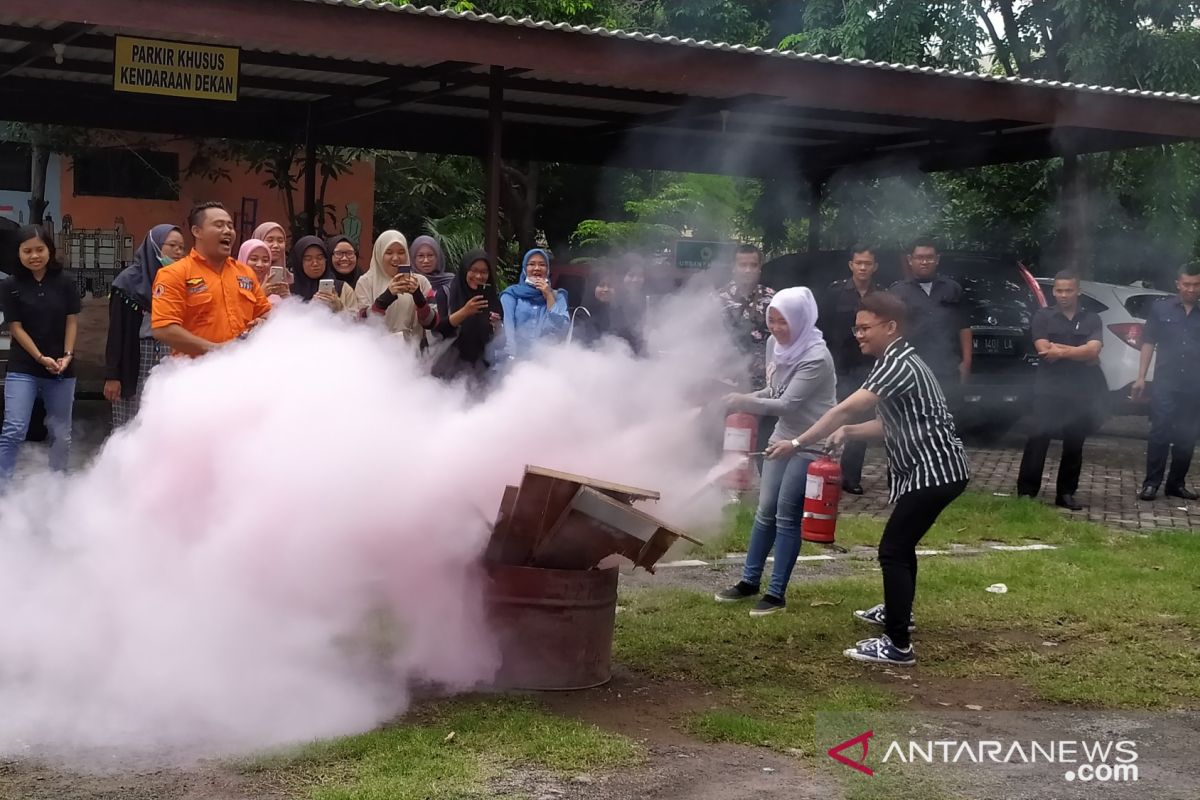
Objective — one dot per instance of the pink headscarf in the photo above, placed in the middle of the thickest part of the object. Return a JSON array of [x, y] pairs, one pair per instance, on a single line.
[[248, 247], [261, 233]]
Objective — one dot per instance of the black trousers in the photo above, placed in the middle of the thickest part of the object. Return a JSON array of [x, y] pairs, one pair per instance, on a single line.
[[1174, 424], [1055, 416], [912, 518]]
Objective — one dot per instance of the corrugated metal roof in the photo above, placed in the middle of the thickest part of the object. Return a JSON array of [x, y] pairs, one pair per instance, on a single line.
[[525, 22]]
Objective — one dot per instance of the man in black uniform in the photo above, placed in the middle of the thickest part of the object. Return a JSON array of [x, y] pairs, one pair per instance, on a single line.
[[937, 318], [1173, 331], [1069, 385], [839, 309]]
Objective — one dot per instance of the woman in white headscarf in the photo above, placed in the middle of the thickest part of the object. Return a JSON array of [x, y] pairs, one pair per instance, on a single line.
[[404, 299], [801, 387]]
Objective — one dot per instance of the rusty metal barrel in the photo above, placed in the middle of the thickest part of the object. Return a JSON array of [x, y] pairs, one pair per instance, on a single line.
[[554, 626]]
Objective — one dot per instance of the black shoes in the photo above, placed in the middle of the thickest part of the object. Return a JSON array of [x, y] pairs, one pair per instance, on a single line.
[[852, 488], [739, 591], [1182, 492], [1148, 492], [1068, 502]]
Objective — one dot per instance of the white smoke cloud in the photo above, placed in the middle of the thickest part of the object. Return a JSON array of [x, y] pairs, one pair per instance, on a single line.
[[213, 582]]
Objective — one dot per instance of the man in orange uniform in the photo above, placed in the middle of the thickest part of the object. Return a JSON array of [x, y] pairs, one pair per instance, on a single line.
[[206, 299]]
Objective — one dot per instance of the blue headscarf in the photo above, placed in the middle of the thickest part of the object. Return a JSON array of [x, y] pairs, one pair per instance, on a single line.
[[137, 280], [522, 290]]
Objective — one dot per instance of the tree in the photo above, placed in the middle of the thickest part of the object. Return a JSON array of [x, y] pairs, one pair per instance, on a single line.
[[45, 140], [282, 164]]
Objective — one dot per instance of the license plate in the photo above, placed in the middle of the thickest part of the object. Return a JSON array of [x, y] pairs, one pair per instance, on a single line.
[[993, 345]]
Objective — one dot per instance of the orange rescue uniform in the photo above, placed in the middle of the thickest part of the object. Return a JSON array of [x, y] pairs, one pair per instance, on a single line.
[[217, 305]]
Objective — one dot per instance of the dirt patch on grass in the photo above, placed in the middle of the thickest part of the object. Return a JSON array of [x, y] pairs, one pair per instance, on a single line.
[[684, 772], [26, 781]]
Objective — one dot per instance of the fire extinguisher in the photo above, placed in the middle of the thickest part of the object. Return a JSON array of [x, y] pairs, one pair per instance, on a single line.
[[822, 494], [741, 434]]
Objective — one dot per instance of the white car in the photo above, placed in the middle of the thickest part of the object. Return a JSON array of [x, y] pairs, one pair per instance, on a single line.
[[1123, 311]]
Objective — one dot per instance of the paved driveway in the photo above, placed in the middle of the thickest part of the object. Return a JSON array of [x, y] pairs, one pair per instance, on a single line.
[[1114, 463]]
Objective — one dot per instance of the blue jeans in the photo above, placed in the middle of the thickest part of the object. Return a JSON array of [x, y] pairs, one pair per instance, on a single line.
[[777, 522], [20, 390]]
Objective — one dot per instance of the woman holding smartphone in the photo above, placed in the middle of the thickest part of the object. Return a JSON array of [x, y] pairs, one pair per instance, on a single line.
[[533, 311], [42, 308], [472, 320], [392, 292], [314, 276], [256, 254]]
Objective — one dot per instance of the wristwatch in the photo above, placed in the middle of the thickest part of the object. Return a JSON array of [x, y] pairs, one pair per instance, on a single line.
[[796, 443]]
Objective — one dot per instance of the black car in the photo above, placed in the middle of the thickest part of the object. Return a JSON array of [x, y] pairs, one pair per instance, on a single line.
[[1002, 297]]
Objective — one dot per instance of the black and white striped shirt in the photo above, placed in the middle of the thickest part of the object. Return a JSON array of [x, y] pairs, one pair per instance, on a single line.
[[923, 449]]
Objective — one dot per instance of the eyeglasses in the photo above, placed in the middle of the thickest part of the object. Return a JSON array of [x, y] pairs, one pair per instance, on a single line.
[[343, 254], [924, 259], [861, 330]]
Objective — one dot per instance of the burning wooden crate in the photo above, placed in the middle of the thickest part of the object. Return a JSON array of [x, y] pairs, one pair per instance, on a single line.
[[551, 603]]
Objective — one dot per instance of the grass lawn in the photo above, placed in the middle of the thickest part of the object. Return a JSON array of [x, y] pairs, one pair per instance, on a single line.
[[1122, 611], [418, 759]]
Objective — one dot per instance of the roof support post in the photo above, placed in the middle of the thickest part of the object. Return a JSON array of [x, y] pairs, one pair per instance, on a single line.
[[311, 222], [495, 144], [816, 193], [1074, 217]]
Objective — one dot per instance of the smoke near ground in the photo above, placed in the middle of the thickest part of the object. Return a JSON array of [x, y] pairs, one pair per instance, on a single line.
[[286, 540]]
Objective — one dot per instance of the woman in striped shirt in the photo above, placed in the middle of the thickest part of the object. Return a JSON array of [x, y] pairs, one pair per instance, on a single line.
[[926, 458]]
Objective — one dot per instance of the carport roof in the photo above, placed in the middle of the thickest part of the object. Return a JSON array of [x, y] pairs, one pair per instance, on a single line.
[[408, 78]]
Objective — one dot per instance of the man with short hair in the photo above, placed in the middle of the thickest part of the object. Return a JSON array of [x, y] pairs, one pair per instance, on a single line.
[[1172, 331], [937, 318], [926, 458], [839, 309], [1069, 384], [206, 299], [745, 302]]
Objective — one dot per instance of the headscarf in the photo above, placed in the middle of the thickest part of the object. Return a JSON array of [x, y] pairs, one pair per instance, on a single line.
[[303, 286], [601, 316], [439, 278], [376, 279], [334, 241], [522, 290], [137, 280], [248, 247], [261, 232], [799, 308], [476, 331]]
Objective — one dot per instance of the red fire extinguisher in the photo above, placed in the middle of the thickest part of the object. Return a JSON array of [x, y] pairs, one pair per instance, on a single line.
[[821, 498], [741, 434]]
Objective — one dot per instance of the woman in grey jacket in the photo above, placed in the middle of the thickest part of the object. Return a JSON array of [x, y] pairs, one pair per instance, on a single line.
[[801, 387]]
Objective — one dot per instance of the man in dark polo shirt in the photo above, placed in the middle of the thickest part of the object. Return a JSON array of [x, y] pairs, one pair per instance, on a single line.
[[937, 318], [1068, 387], [838, 311], [1173, 332]]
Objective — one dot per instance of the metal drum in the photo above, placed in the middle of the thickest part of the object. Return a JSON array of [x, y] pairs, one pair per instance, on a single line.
[[554, 626]]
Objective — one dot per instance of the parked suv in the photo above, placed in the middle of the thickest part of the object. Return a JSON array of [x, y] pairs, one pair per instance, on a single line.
[[1123, 311], [1001, 297]]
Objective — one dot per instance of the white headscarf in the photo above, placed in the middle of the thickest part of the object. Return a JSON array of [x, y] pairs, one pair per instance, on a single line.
[[401, 316], [799, 308]]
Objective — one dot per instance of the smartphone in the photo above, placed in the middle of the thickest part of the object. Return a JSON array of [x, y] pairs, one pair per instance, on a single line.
[[325, 286], [404, 269], [277, 275]]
